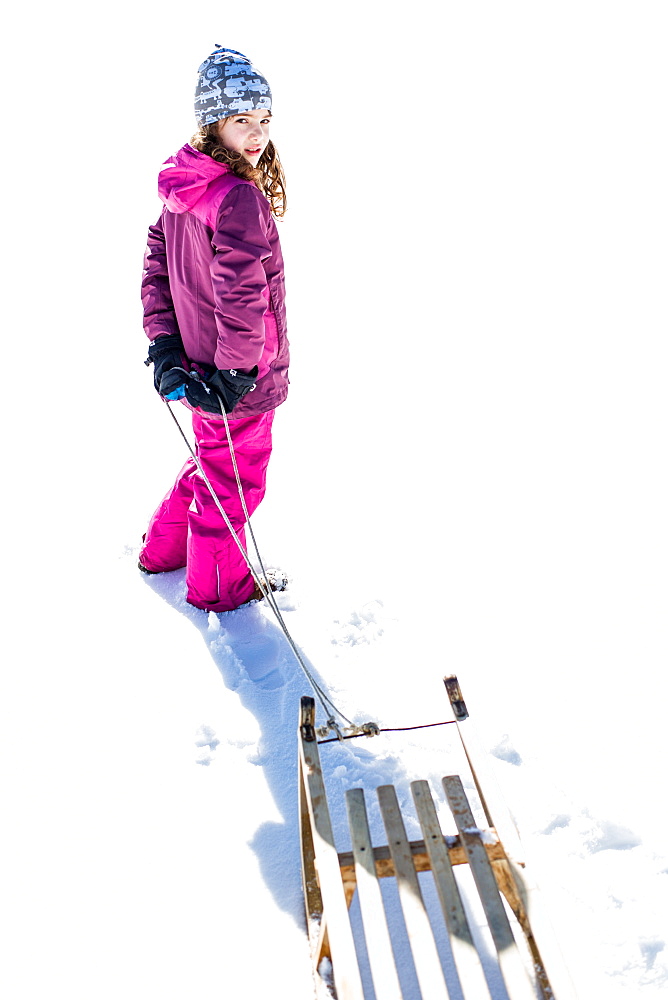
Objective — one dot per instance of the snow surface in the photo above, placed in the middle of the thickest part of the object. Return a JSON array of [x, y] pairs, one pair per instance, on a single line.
[[469, 477]]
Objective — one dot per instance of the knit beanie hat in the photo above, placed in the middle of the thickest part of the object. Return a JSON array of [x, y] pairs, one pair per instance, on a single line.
[[227, 84]]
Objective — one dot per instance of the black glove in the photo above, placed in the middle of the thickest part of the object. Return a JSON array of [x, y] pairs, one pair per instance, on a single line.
[[170, 365], [216, 385]]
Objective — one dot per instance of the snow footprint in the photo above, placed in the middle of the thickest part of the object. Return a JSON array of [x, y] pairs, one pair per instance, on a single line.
[[504, 750], [207, 741], [247, 646], [259, 655], [360, 627]]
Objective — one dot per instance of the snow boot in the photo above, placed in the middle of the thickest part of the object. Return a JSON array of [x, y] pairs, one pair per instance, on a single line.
[[149, 572], [275, 579]]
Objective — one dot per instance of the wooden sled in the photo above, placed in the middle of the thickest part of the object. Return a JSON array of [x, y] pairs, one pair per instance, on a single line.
[[330, 879]]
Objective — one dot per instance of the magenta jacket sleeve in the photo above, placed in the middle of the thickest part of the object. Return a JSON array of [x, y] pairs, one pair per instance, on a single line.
[[238, 277], [156, 296]]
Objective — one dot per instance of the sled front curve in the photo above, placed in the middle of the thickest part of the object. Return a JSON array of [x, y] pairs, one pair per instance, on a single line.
[[329, 930]]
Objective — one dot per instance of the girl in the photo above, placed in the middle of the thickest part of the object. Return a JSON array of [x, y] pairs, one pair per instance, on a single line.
[[214, 311]]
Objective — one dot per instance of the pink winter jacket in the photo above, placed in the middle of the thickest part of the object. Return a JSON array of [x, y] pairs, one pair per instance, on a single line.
[[213, 272]]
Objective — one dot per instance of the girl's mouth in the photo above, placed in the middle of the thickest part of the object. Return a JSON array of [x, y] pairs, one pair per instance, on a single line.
[[254, 152]]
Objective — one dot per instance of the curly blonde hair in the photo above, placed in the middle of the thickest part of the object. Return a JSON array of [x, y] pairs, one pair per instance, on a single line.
[[268, 175]]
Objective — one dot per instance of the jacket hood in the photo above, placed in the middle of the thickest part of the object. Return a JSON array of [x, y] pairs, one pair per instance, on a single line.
[[185, 177]]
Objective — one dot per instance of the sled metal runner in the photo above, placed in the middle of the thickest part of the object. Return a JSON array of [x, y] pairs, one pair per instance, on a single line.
[[509, 899]]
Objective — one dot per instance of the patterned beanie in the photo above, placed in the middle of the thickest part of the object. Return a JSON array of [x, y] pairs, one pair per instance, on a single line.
[[227, 84]]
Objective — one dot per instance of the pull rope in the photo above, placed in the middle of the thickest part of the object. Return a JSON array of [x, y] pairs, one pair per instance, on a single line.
[[365, 730], [263, 584]]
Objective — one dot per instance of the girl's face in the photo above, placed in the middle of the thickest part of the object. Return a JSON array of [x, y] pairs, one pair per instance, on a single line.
[[247, 134]]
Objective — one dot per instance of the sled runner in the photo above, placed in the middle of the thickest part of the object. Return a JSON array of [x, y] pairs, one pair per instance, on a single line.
[[331, 879]]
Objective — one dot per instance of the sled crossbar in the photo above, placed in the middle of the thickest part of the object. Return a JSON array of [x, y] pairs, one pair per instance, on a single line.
[[332, 878]]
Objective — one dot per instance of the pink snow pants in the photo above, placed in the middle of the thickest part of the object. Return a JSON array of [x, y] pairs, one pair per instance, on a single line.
[[188, 530]]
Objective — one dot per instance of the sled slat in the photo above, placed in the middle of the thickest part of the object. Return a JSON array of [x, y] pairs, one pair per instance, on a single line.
[[379, 947], [425, 956], [515, 976], [471, 976]]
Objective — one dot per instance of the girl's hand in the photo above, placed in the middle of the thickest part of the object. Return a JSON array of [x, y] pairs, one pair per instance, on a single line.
[[170, 365], [221, 390]]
